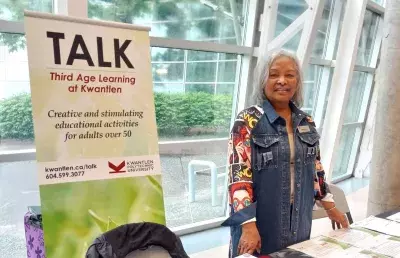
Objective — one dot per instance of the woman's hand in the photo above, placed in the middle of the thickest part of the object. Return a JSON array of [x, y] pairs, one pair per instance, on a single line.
[[250, 241], [338, 217]]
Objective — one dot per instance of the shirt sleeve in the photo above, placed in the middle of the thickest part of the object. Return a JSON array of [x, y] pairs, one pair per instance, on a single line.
[[241, 197], [321, 188]]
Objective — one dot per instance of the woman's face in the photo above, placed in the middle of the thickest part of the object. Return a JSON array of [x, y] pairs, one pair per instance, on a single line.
[[282, 81]]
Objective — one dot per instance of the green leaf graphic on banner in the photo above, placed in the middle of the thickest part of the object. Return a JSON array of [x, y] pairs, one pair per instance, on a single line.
[[79, 219], [103, 225], [155, 183], [111, 224]]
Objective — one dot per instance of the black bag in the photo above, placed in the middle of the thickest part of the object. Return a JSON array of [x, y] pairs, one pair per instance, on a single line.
[[123, 240]]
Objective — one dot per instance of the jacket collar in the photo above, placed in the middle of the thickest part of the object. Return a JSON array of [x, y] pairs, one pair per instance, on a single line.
[[273, 116]]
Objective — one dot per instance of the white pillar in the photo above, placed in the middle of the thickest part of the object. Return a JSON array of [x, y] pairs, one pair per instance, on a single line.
[[384, 190]]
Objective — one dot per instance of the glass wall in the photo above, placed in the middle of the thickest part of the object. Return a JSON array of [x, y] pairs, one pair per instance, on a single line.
[[288, 12], [180, 76], [194, 101], [355, 111], [328, 30], [317, 83], [13, 10], [381, 2], [357, 103], [324, 50], [196, 95], [211, 21], [367, 38], [16, 127]]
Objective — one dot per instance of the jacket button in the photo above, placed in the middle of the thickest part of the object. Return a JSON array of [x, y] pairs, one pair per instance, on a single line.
[[294, 233], [297, 209], [298, 185]]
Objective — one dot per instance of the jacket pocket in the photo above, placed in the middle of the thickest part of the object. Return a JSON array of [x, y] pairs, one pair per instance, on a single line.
[[266, 151], [309, 145]]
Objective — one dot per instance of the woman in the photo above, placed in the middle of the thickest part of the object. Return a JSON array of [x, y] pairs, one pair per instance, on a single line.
[[276, 175]]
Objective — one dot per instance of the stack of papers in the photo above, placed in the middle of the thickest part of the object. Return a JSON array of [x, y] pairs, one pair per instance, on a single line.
[[327, 247], [388, 227], [370, 238]]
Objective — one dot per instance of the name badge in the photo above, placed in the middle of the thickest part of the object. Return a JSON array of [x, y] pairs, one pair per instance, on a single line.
[[304, 128]]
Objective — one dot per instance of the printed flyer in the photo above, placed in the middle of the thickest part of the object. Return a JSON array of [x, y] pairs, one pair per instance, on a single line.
[[395, 217], [368, 240], [95, 129], [359, 237], [388, 227], [326, 247]]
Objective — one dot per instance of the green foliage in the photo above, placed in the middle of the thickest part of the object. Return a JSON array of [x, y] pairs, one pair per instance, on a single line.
[[16, 117], [177, 115], [119, 10], [182, 114]]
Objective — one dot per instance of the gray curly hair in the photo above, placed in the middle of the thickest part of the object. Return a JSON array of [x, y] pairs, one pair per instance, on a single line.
[[261, 75]]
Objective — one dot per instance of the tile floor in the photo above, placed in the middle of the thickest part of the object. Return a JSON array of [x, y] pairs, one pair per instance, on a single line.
[[214, 243]]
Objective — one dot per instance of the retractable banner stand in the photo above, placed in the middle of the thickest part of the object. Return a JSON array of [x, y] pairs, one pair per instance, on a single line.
[[95, 128]]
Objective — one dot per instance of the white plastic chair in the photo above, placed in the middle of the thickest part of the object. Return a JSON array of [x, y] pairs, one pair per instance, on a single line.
[[340, 202], [214, 176]]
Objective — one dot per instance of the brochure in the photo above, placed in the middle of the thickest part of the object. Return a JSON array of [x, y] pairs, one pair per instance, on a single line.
[[384, 226]]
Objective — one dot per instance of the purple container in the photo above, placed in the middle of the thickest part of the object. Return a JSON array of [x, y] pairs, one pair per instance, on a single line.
[[34, 233]]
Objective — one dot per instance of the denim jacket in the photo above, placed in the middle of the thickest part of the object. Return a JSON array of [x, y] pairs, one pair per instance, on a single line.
[[259, 177]]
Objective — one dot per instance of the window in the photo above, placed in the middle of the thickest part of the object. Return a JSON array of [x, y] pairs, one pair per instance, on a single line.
[[195, 103], [355, 111], [194, 93], [193, 98], [16, 127], [367, 38], [328, 33], [13, 10], [293, 43], [211, 21], [322, 37], [349, 140], [317, 83], [288, 12], [381, 2], [179, 211], [357, 103]]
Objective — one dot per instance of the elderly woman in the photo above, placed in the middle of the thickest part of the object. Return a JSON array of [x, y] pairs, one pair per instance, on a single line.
[[276, 176]]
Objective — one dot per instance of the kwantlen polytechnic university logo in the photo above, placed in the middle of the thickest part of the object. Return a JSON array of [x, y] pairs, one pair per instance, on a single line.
[[117, 168]]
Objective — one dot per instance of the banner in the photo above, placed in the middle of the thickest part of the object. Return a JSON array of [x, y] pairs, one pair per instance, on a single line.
[[95, 128]]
